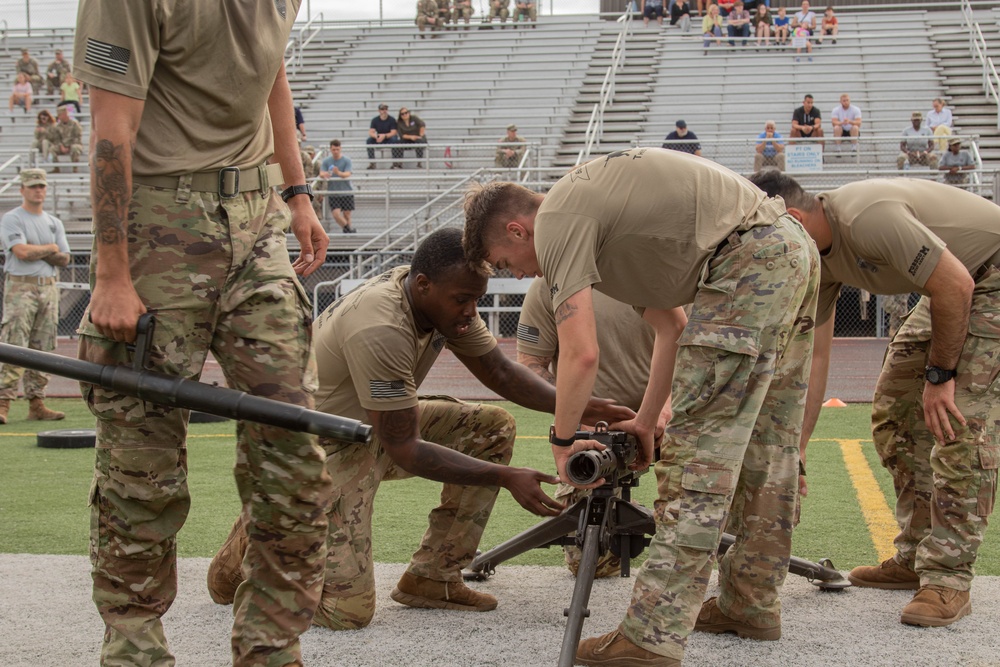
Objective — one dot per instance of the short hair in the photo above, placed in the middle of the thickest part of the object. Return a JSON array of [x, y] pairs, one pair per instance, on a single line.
[[485, 206], [777, 184], [769, 122], [440, 253], [807, 97], [335, 142], [938, 99]]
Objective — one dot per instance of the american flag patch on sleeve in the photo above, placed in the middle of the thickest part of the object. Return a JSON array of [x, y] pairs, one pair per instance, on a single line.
[[526, 333], [107, 56], [387, 388]]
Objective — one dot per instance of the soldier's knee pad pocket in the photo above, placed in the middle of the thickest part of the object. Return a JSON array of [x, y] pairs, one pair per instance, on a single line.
[[723, 358], [704, 503]]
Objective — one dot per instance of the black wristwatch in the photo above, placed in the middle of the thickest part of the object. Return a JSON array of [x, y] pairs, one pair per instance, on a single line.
[[937, 375], [559, 442], [288, 193]]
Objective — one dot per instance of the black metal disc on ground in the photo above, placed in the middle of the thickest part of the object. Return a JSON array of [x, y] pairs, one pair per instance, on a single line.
[[205, 418], [79, 438]]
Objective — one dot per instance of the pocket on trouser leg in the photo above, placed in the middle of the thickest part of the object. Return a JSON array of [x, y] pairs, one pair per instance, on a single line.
[[989, 461], [704, 504], [714, 365]]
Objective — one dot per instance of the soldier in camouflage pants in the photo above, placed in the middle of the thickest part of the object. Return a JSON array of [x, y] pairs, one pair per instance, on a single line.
[[945, 493], [217, 272], [30, 319]]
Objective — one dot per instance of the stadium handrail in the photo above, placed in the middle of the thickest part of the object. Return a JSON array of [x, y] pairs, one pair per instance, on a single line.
[[977, 49], [595, 126]]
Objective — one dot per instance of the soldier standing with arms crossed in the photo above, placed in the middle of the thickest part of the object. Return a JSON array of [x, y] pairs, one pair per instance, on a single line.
[[192, 129]]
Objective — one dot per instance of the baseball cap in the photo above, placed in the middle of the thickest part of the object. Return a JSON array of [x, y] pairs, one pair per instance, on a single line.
[[58, 51], [29, 177], [955, 142], [383, 106], [512, 128], [681, 124], [916, 115]]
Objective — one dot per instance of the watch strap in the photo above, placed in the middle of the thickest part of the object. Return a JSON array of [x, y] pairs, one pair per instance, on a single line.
[[294, 190], [557, 441]]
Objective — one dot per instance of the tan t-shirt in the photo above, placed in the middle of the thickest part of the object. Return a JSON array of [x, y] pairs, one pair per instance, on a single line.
[[625, 339], [372, 356], [888, 235], [639, 225], [204, 69]]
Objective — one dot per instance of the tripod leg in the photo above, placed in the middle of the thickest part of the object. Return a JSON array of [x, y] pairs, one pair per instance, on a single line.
[[577, 610], [537, 536], [819, 574]]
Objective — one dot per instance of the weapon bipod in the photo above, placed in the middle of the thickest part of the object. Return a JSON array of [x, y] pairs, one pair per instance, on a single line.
[[608, 522]]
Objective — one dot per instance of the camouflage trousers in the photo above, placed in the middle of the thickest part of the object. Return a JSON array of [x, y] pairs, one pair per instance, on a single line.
[[897, 305], [30, 319], [217, 274], [738, 398], [485, 432], [945, 493]]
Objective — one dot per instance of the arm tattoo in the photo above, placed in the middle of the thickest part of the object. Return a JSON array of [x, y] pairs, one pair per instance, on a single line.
[[538, 365], [564, 312], [109, 191], [35, 255]]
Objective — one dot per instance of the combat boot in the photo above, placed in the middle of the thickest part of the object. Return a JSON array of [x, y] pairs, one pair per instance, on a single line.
[[615, 650], [935, 606], [225, 572], [711, 619], [425, 593], [888, 574], [37, 412], [4, 408]]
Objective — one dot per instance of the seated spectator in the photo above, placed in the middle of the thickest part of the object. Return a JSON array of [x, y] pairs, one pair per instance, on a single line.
[[510, 149], [683, 140], [40, 144], [801, 34], [939, 120], [311, 169], [711, 25], [20, 94], [781, 23], [498, 9], [954, 162], [725, 6], [680, 14], [805, 19], [770, 151], [29, 67], [65, 138], [56, 73], [383, 131], [300, 124], [806, 120], [829, 26], [526, 9], [763, 25], [411, 130], [336, 169], [917, 148], [652, 9], [846, 119], [427, 16], [443, 14], [738, 23], [70, 92]]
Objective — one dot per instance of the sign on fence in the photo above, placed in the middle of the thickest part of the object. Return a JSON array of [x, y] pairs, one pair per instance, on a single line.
[[804, 157]]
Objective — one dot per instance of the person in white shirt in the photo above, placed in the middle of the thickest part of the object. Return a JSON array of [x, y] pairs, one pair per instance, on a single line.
[[805, 18], [846, 119], [939, 121]]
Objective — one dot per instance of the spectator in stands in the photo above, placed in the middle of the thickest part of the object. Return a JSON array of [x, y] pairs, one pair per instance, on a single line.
[[725, 6], [337, 169], [443, 13], [300, 124], [498, 9], [683, 140], [781, 23], [754, 5], [526, 9], [43, 125], [70, 92], [711, 25], [652, 9], [464, 10], [56, 72], [680, 14], [412, 130], [829, 26], [510, 149], [846, 119], [383, 131], [65, 138], [801, 35], [917, 147], [311, 168], [738, 23], [939, 120], [954, 162], [29, 67], [21, 93], [763, 25], [805, 18], [427, 16], [806, 120], [770, 151]]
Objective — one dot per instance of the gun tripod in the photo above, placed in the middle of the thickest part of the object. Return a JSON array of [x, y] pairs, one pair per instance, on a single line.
[[603, 521]]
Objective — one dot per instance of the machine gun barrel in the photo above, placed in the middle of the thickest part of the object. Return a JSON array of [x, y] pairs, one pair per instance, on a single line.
[[590, 465], [190, 395]]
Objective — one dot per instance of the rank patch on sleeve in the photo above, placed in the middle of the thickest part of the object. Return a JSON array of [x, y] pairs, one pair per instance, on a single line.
[[387, 388], [107, 56]]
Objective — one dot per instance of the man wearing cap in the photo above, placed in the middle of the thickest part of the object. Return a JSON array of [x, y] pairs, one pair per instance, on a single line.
[[35, 246], [383, 131], [56, 73], [936, 409], [193, 128], [682, 139], [65, 138], [954, 162], [29, 66], [510, 149], [917, 146]]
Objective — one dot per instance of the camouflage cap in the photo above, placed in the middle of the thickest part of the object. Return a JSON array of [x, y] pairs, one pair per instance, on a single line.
[[29, 177], [512, 128]]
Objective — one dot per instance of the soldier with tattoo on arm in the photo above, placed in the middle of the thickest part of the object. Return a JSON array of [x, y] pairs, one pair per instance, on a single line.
[[192, 130], [374, 347]]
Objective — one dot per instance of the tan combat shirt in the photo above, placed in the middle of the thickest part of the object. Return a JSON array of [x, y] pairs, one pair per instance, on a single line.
[[204, 69], [639, 225], [427, 8], [66, 134], [372, 356], [625, 340], [888, 235]]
